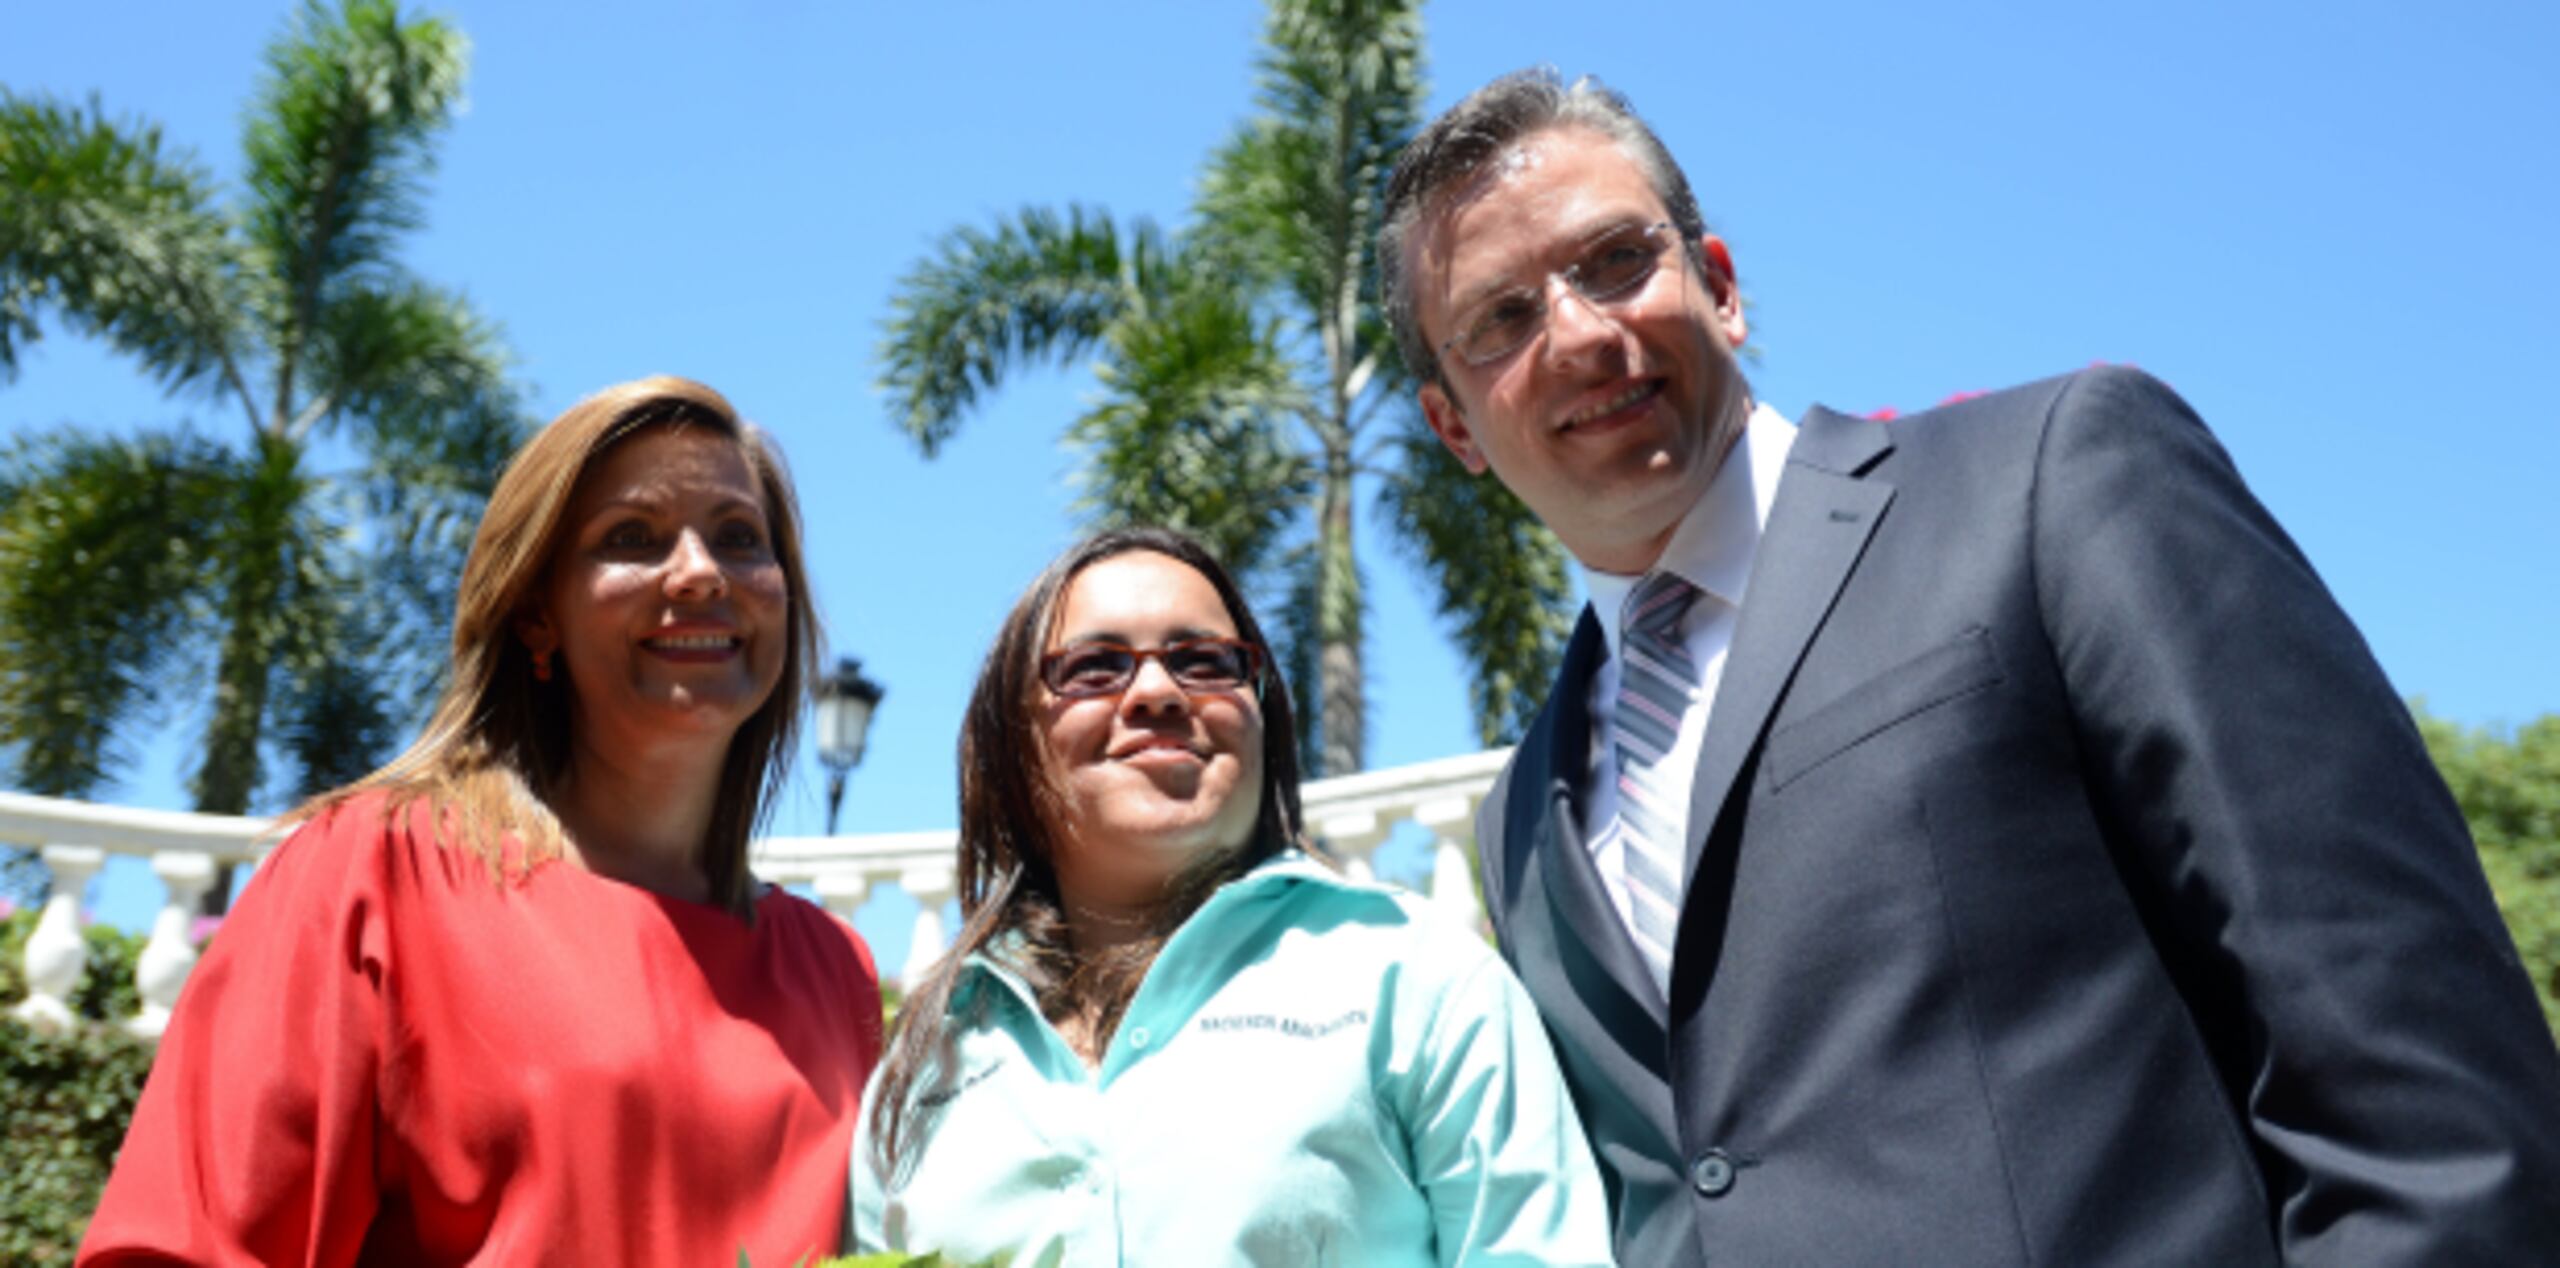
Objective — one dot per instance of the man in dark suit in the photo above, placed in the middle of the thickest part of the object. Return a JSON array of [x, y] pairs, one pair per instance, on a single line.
[[1978, 839]]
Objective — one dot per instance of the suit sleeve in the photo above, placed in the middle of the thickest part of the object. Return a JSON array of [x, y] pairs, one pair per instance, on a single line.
[[254, 1141], [1498, 1151], [2308, 878]]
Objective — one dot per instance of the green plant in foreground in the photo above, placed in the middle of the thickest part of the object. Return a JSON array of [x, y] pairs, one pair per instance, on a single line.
[[64, 1099], [901, 1259]]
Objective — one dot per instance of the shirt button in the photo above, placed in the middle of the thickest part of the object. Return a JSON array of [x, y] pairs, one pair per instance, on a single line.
[[1138, 1037], [1712, 1173]]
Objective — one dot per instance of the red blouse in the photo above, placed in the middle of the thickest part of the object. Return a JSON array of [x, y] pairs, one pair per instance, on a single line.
[[385, 1057]]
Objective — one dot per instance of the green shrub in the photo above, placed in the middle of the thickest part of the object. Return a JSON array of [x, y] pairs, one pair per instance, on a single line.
[[106, 985], [2531, 905], [64, 1103], [64, 1099], [2508, 783], [13, 956]]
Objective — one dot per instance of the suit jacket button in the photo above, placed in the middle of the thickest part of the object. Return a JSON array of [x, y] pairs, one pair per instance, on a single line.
[[1712, 1173]]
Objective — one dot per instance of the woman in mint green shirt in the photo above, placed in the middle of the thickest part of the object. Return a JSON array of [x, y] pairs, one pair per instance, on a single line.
[[1167, 1034]]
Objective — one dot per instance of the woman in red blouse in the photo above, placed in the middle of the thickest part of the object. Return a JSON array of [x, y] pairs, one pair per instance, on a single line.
[[515, 998]]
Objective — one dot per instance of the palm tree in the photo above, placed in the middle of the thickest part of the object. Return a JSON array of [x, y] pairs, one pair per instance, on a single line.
[[300, 567], [1249, 386]]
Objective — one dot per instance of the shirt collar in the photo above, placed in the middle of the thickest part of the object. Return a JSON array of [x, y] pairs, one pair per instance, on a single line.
[[1712, 546], [1269, 877]]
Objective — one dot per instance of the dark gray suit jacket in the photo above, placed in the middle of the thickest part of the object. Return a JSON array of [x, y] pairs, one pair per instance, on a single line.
[[2067, 887]]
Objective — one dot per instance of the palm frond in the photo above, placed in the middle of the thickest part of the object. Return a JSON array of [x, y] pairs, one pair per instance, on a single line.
[[421, 380], [398, 355], [99, 223], [340, 142], [1500, 579], [1190, 432], [1296, 195], [335, 720], [1042, 284], [104, 544], [422, 493]]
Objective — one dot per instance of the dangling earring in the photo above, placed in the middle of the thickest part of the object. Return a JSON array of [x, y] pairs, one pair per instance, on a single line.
[[542, 666]]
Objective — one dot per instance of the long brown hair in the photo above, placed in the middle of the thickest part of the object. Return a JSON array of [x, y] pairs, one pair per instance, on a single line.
[[1009, 809], [498, 742]]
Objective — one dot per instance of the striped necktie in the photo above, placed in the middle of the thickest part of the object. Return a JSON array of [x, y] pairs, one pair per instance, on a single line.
[[1655, 680]]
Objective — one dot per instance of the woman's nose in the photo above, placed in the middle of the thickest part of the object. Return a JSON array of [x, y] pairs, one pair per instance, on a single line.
[[1152, 688], [692, 570]]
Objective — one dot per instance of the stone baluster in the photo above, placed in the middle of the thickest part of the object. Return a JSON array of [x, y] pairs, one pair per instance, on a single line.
[[931, 888], [56, 953], [170, 955], [1453, 883], [842, 893], [1353, 838]]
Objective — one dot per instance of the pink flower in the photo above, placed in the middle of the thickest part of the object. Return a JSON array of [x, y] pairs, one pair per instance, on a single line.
[[202, 928]]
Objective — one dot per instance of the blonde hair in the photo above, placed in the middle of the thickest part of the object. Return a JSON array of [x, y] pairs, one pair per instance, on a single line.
[[498, 741]]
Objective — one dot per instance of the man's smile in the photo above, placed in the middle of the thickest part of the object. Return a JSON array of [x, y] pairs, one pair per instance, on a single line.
[[1618, 406]]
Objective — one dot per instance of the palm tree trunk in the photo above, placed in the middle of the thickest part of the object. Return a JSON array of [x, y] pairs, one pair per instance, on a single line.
[[1338, 606], [228, 778], [229, 775]]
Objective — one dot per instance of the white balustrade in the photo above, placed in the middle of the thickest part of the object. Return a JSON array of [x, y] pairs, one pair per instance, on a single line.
[[1452, 822], [171, 954], [841, 893], [1350, 817], [74, 838], [926, 943], [56, 952]]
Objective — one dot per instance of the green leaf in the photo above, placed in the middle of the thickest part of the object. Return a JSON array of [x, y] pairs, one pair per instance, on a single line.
[[1037, 286], [122, 239], [2508, 785], [103, 560], [65, 1101], [1192, 429], [339, 145]]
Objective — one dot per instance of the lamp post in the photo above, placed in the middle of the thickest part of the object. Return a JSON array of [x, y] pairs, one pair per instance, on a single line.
[[845, 702]]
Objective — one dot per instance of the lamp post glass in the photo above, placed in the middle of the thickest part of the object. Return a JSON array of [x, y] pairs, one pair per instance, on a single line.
[[845, 701]]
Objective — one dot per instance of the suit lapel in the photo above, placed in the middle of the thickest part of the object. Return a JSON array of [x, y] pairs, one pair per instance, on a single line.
[[1818, 527], [1556, 756]]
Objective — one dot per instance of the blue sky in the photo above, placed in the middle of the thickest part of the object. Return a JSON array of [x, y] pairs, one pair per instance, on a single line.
[[2327, 224]]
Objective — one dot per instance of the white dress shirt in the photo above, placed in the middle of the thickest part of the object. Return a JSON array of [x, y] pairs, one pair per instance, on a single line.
[[1712, 549]]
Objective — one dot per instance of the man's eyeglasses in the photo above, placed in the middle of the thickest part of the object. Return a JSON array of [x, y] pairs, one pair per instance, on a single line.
[[1107, 669], [1613, 267]]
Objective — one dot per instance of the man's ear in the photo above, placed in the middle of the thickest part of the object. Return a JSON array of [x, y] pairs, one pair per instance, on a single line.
[[1451, 427], [1727, 290]]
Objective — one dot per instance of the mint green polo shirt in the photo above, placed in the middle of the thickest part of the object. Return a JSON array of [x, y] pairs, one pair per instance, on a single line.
[[1315, 1071]]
